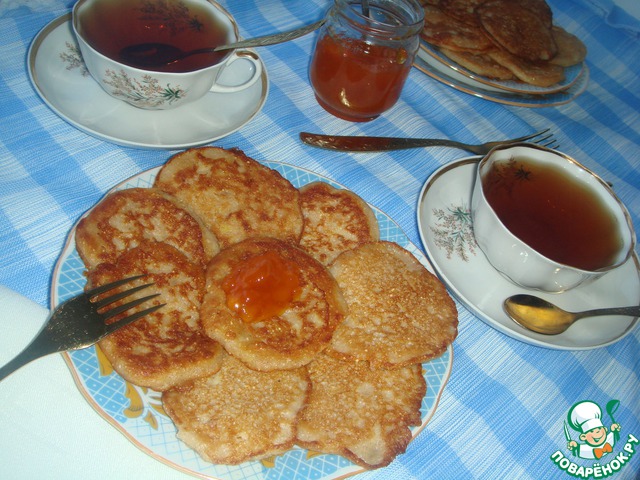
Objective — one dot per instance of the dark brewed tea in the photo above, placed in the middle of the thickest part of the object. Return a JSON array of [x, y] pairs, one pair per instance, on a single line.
[[112, 25], [553, 213]]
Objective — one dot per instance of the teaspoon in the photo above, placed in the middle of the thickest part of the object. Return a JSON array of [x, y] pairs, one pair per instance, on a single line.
[[148, 55], [541, 316]]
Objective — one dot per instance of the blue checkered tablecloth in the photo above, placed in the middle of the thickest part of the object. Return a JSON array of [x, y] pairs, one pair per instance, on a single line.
[[501, 414]]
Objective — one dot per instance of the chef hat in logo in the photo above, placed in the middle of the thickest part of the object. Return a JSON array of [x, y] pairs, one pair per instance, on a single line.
[[585, 416]]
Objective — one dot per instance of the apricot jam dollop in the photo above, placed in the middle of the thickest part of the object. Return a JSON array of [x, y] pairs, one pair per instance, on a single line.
[[262, 286]]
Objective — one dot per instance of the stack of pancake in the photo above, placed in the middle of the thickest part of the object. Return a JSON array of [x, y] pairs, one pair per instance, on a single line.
[[503, 39], [287, 321]]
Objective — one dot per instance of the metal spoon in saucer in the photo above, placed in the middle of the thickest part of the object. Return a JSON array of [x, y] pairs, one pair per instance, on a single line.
[[541, 316]]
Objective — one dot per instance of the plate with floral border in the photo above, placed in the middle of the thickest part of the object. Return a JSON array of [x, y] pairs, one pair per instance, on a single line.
[[446, 231], [60, 78], [138, 414]]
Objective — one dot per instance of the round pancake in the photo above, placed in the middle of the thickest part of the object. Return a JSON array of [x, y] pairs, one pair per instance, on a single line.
[[288, 339], [463, 10], [540, 74], [125, 218], [167, 347], [540, 8], [481, 64], [399, 313], [571, 50], [335, 220], [518, 30], [360, 413], [445, 31], [238, 414], [235, 196]]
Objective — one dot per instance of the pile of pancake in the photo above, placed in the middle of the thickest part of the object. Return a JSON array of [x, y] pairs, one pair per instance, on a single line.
[[287, 321], [503, 39]]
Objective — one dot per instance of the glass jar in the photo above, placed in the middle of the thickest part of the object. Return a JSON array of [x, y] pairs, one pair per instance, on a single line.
[[360, 63]]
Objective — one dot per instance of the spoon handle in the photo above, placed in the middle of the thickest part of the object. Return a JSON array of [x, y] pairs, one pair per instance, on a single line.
[[624, 311], [273, 39]]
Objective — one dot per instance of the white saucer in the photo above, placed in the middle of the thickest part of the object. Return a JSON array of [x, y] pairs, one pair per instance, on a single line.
[[445, 227], [437, 70], [60, 78]]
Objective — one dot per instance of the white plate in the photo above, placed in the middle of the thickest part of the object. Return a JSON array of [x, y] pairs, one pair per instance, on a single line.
[[448, 76], [60, 78], [444, 222], [571, 75], [137, 412]]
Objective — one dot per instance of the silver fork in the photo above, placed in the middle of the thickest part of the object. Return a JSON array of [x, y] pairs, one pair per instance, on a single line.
[[81, 322], [378, 144]]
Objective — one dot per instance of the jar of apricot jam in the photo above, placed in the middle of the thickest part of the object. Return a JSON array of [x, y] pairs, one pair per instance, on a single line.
[[361, 62]]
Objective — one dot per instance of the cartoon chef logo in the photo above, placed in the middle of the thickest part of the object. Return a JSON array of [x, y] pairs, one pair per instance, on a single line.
[[602, 449], [595, 440]]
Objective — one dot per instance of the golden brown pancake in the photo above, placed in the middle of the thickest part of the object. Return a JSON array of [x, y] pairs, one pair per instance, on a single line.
[[125, 218], [167, 347], [445, 31], [462, 10], [360, 413], [571, 50], [399, 313], [540, 8], [238, 414], [284, 339], [481, 64], [518, 30], [540, 74], [235, 196], [503, 39], [335, 220]]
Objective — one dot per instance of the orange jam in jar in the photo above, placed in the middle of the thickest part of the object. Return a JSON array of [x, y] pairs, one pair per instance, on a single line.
[[262, 287], [360, 63]]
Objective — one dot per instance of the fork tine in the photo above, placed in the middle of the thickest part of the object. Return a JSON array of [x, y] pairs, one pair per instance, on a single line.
[[110, 286], [119, 296], [528, 137], [542, 139], [112, 327], [553, 143], [123, 308]]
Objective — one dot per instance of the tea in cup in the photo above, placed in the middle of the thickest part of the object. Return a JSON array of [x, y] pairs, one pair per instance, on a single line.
[[545, 221], [104, 28]]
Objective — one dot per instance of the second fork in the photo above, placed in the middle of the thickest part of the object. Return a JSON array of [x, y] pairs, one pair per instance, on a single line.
[[377, 144]]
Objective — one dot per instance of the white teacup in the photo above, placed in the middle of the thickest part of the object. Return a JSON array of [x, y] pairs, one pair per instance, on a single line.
[[518, 260], [104, 27]]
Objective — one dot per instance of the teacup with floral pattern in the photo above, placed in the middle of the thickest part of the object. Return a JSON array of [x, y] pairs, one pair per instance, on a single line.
[[101, 33]]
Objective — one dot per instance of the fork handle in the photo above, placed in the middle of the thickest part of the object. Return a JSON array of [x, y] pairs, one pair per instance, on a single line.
[[374, 144], [36, 349]]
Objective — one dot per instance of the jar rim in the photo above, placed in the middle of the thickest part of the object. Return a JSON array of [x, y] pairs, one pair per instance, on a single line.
[[351, 10]]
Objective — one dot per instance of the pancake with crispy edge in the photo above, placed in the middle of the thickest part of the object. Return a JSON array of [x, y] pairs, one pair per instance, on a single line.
[[288, 340], [335, 220], [360, 413], [518, 30], [124, 219], [443, 30], [238, 414], [399, 313], [167, 347], [235, 196]]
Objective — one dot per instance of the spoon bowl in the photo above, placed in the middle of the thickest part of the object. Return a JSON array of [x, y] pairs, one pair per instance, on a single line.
[[538, 315]]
